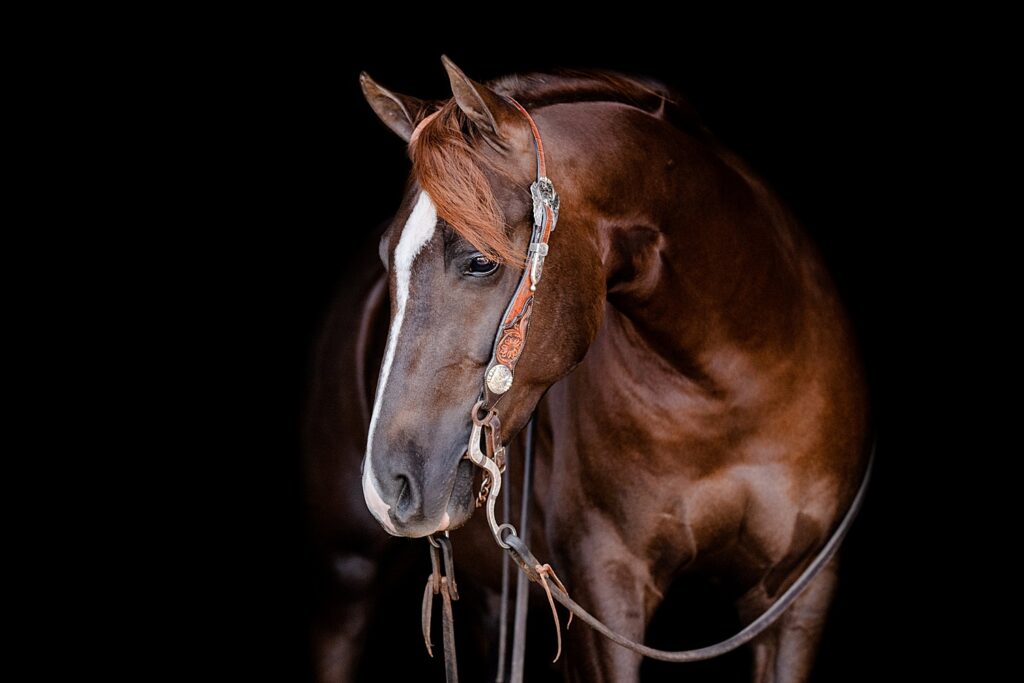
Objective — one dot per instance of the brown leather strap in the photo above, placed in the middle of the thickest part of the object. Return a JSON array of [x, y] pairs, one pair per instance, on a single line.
[[443, 585], [511, 338], [542, 169]]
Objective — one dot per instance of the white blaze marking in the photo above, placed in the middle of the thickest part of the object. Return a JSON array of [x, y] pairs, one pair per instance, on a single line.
[[418, 230]]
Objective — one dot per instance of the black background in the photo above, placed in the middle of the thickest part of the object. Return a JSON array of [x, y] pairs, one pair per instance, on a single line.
[[832, 124]]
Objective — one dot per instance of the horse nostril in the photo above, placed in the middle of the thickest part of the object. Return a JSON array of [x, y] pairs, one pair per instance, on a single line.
[[407, 503]]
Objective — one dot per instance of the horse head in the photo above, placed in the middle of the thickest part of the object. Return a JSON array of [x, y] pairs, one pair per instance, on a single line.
[[455, 254]]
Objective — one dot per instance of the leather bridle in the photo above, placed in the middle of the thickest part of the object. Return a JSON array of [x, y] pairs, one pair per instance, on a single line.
[[510, 339], [487, 452]]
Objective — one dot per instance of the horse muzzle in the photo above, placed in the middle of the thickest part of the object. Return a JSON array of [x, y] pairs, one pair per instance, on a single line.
[[410, 502]]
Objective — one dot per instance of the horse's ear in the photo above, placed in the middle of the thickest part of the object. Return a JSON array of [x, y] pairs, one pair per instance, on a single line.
[[398, 112], [495, 116]]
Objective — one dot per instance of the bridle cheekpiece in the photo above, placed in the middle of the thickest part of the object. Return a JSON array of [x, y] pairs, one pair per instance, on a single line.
[[510, 339]]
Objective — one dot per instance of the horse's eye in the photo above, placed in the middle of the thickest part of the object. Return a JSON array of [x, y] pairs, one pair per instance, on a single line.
[[479, 266]]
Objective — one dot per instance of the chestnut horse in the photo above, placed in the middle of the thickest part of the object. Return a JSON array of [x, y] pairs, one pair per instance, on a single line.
[[701, 406]]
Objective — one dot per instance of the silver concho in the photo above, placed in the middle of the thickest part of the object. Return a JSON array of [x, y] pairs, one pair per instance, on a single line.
[[499, 379], [543, 193]]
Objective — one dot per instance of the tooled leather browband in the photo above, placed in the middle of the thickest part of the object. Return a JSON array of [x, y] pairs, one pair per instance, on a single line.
[[511, 336]]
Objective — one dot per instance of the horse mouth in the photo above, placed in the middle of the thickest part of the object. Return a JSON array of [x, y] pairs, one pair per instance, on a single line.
[[460, 501]]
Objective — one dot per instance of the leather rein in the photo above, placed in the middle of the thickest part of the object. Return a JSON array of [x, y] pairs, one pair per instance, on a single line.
[[486, 451]]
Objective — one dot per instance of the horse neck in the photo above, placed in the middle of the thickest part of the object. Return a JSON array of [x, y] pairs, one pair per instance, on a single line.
[[712, 274]]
